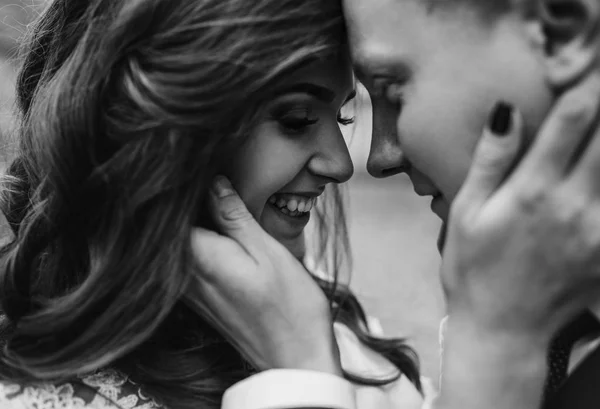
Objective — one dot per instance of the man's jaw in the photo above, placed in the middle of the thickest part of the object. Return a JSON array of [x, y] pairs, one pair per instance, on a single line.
[[439, 205], [441, 240]]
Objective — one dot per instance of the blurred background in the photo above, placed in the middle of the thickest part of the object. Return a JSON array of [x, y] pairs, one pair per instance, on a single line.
[[392, 231]]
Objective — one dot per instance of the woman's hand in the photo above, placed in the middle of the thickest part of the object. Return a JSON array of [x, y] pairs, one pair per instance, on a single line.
[[523, 252], [257, 294]]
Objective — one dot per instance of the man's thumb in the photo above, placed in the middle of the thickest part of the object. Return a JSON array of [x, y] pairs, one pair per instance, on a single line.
[[230, 213]]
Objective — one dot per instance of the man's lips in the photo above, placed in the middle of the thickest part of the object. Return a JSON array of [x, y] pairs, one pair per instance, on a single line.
[[441, 241], [438, 202], [440, 207], [427, 192]]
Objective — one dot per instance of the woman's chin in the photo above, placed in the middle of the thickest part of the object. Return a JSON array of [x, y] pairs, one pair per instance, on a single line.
[[295, 246], [293, 241]]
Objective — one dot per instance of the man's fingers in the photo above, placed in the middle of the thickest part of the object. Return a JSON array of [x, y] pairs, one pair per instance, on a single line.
[[563, 133], [494, 156], [231, 215], [217, 257]]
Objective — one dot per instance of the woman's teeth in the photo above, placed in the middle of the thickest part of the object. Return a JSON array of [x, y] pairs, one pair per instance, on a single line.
[[293, 205]]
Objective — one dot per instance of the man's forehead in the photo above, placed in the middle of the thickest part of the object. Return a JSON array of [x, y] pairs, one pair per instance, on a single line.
[[381, 33], [372, 60], [363, 16], [381, 20]]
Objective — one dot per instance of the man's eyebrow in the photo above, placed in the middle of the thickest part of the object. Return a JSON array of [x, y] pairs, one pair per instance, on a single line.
[[318, 91], [366, 70]]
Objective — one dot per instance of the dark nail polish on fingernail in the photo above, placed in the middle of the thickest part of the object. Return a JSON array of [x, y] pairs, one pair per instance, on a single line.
[[222, 186], [501, 119]]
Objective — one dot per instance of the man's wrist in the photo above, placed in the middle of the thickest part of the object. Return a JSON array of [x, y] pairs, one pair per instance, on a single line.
[[313, 353], [317, 364], [290, 388], [328, 361], [497, 335]]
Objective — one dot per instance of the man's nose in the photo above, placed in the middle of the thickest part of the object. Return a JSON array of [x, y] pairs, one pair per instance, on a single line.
[[386, 158]]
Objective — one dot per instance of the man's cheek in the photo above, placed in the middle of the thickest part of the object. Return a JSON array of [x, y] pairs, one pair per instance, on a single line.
[[455, 176]]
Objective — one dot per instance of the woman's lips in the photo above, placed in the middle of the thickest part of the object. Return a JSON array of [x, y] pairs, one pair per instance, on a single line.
[[292, 204], [285, 225], [289, 213]]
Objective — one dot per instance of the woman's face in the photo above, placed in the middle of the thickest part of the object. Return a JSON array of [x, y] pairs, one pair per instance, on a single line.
[[296, 149]]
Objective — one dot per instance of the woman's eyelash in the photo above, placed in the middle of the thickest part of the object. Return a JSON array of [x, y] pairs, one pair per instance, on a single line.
[[298, 120], [297, 123]]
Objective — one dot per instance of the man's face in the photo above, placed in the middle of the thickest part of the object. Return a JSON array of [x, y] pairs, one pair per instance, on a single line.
[[433, 79]]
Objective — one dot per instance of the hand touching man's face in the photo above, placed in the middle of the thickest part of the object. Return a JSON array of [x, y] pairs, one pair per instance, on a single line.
[[434, 74]]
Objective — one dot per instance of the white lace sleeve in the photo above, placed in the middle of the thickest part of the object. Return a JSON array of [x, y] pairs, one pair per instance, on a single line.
[[105, 389]]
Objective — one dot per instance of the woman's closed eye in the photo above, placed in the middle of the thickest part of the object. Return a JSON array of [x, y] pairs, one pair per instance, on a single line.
[[296, 120], [299, 120]]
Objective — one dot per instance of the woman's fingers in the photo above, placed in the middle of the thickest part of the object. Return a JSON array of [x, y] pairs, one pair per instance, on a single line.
[[539, 231], [494, 156], [585, 176], [562, 135]]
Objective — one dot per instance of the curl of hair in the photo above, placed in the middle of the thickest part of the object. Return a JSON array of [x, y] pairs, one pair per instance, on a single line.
[[331, 253], [127, 112]]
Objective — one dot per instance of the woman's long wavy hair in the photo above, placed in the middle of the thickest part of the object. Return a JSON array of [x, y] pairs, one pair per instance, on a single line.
[[128, 109]]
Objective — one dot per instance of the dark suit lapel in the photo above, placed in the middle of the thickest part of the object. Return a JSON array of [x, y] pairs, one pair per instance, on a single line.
[[581, 390]]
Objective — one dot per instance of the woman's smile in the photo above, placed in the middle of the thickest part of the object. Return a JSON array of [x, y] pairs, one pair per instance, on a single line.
[[296, 149], [291, 211], [294, 205]]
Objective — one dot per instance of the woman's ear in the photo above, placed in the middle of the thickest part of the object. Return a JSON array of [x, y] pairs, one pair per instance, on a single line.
[[572, 38]]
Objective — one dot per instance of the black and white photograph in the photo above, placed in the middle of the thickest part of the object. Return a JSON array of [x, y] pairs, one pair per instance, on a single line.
[[294, 204]]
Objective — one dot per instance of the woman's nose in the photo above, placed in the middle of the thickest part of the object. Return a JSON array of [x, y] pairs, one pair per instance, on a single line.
[[331, 159]]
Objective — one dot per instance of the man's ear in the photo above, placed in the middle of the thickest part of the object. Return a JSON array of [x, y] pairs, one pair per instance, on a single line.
[[572, 38]]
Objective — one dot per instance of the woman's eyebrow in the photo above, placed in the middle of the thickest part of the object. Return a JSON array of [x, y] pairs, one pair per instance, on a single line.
[[318, 91]]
